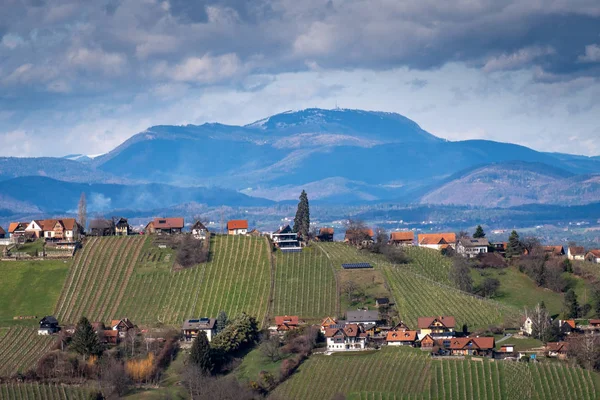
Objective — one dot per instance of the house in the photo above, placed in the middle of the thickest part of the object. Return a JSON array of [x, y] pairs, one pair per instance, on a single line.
[[593, 256], [363, 317], [576, 253], [286, 323], [191, 328], [499, 247], [122, 227], [285, 239], [557, 349], [595, 323], [165, 226], [555, 251], [255, 233], [101, 227], [66, 229], [326, 235], [237, 227], [199, 231], [443, 326], [402, 238], [567, 326], [109, 336], [469, 247], [472, 346], [382, 302], [401, 338], [48, 326], [327, 322], [16, 230], [2, 233], [122, 326], [401, 326], [35, 228], [527, 327], [357, 237], [437, 241], [427, 342], [345, 338]]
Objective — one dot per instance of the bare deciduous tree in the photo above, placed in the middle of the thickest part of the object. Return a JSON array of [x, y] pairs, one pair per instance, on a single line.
[[82, 211]]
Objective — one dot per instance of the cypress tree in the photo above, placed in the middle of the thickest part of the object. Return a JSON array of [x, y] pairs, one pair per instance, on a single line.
[[479, 233], [85, 341], [200, 354], [302, 219]]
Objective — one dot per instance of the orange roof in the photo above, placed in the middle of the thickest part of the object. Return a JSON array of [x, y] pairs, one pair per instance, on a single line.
[[237, 224], [577, 250], [328, 321], [426, 322], [114, 322], [287, 320], [326, 231], [436, 238], [595, 253], [351, 330], [401, 336], [403, 236], [12, 227], [366, 231], [69, 223], [483, 343], [570, 322]]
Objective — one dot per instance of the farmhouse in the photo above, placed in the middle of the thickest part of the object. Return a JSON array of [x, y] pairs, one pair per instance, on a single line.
[[286, 323], [345, 338], [402, 238], [191, 328], [363, 317], [199, 231], [359, 236], [555, 251], [285, 239], [16, 230], [476, 346], [443, 326], [66, 229], [48, 326], [102, 227], [122, 326], [35, 228], [576, 253], [237, 227], [593, 256], [401, 338], [165, 226], [471, 248], [122, 227], [437, 241], [327, 322], [326, 234]]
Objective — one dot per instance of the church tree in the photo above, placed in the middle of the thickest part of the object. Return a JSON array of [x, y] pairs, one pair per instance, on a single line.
[[302, 219]]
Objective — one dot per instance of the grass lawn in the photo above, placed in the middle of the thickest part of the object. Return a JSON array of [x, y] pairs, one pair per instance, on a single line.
[[254, 363], [31, 248], [30, 288], [152, 258]]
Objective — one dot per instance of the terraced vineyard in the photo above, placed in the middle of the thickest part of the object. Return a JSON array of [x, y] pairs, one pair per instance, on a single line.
[[304, 284], [429, 263], [31, 391], [401, 373], [98, 278], [236, 279], [21, 348]]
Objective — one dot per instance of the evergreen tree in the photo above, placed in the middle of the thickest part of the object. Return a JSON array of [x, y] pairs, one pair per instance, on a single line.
[[514, 247], [200, 354], [479, 233], [85, 341], [571, 304], [221, 321], [240, 333], [302, 219]]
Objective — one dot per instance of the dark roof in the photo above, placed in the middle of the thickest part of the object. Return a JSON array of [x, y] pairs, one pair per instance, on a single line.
[[199, 225], [362, 316], [285, 229], [382, 300], [101, 224], [577, 250], [470, 242], [49, 319], [122, 221], [2, 231], [200, 323]]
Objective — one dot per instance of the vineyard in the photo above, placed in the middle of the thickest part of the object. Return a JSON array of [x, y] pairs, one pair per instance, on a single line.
[[21, 348], [236, 279], [30, 391], [304, 284], [98, 278], [403, 373], [429, 263]]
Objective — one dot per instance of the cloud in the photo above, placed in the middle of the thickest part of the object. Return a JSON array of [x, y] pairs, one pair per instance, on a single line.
[[516, 60], [97, 59], [592, 54], [205, 69]]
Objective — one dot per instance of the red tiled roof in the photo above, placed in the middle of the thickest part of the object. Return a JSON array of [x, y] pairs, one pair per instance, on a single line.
[[69, 223], [577, 250], [426, 322], [351, 330], [328, 321], [554, 249], [366, 231], [401, 336], [595, 253], [289, 320], [436, 238], [403, 236], [110, 332], [168, 223], [237, 224], [557, 346], [12, 227], [2, 231], [482, 343]]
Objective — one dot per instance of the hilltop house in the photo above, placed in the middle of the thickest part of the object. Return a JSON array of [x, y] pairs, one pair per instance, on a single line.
[[326, 235], [285, 239], [358, 237], [593, 256], [437, 241], [576, 253], [237, 227], [17, 233], [443, 326], [66, 229], [345, 337], [468, 247], [363, 317], [122, 227], [191, 328], [199, 231], [48, 326], [165, 226], [35, 228], [555, 251], [401, 338], [472, 346], [101, 227], [402, 238]]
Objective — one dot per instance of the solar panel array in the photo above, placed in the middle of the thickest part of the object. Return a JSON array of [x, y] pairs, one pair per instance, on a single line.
[[357, 266], [291, 250]]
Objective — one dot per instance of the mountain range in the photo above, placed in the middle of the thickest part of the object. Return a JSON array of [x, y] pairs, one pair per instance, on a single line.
[[338, 156]]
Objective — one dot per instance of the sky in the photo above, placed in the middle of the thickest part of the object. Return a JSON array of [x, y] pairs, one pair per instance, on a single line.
[[82, 77]]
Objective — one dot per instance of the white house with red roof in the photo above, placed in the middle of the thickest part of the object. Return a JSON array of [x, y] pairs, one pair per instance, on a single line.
[[237, 227]]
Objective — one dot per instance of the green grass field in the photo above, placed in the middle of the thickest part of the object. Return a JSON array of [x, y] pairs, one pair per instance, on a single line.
[[21, 348], [31, 391], [30, 288], [404, 373], [304, 284], [236, 279]]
